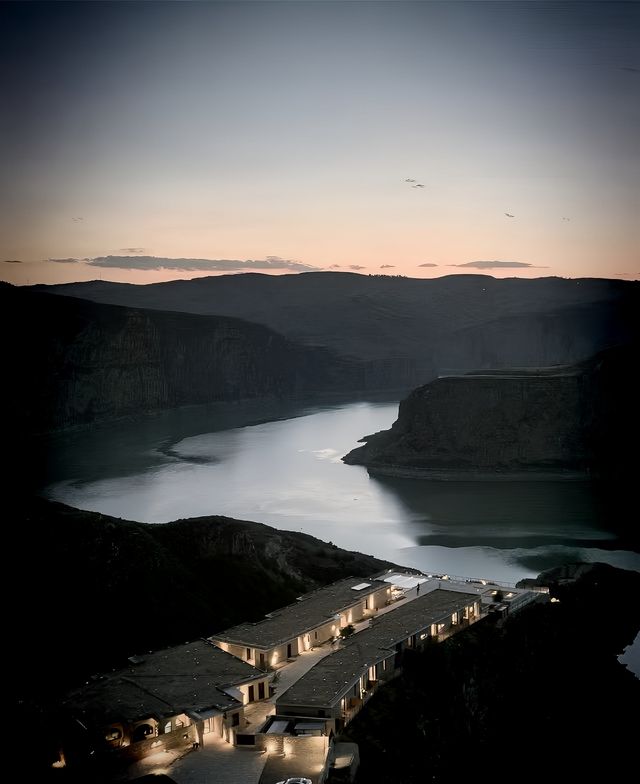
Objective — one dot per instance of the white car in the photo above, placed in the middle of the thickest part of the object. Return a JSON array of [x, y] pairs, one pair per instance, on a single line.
[[295, 780]]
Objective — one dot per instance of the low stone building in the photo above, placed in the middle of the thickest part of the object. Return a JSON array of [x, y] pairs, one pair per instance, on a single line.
[[311, 620], [337, 686], [164, 700], [176, 698]]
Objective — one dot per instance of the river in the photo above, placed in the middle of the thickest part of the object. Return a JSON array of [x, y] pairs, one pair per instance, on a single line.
[[287, 472]]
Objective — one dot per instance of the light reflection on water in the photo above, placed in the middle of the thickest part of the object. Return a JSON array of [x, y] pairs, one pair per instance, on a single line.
[[288, 473]]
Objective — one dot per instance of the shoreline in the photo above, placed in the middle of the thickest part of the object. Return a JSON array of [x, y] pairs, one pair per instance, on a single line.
[[249, 410], [466, 475]]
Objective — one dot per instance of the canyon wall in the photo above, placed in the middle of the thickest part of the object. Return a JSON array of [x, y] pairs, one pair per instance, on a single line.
[[406, 331], [560, 420], [73, 362]]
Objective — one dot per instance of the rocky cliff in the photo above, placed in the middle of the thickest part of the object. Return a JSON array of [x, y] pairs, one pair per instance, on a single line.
[[404, 331], [567, 420], [72, 362]]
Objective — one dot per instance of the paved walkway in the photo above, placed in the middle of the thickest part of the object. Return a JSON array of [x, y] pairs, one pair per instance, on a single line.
[[285, 677], [217, 762]]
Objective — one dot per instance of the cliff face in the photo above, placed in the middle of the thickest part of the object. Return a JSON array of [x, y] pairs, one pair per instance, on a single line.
[[557, 420], [73, 362], [536, 339], [76, 361], [406, 331]]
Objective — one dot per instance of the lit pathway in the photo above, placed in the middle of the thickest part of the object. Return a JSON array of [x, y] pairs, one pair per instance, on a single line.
[[285, 676], [217, 762]]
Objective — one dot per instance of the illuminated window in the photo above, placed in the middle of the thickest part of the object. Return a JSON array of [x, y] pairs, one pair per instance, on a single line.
[[167, 727]]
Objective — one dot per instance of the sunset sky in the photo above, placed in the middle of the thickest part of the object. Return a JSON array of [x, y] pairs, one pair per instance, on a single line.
[[159, 140]]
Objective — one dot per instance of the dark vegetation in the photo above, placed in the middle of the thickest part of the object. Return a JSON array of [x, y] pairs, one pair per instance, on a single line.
[[89, 590], [540, 698], [102, 589]]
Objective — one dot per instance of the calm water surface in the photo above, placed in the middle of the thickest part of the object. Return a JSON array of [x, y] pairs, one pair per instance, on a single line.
[[288, 473]]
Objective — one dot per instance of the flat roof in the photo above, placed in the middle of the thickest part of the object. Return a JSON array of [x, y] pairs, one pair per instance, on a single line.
[[189, 677], [328, 680], [309, 611], [406, 581]]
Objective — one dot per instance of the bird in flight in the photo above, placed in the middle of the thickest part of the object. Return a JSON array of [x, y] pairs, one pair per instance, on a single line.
[[509, 215], [418, 185], [77, 220], [567, 219], [409, 180]]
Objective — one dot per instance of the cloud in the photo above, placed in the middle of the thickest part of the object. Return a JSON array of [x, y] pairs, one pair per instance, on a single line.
[[129, 251], [11, 261], [356, 267], [223, 265], [495, 264], [66, 261], [427, 265], [387, 266]]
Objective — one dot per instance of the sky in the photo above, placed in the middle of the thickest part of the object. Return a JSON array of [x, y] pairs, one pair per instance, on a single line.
[[149, 141]]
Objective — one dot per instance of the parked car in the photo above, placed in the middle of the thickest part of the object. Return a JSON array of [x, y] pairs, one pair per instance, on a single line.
[[295, 780]]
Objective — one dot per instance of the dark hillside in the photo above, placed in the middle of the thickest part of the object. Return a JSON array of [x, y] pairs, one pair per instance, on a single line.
[[99, 589]]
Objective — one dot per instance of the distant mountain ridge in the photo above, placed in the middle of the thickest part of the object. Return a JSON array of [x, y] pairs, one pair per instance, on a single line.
[[404, 331], [74, 362]]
